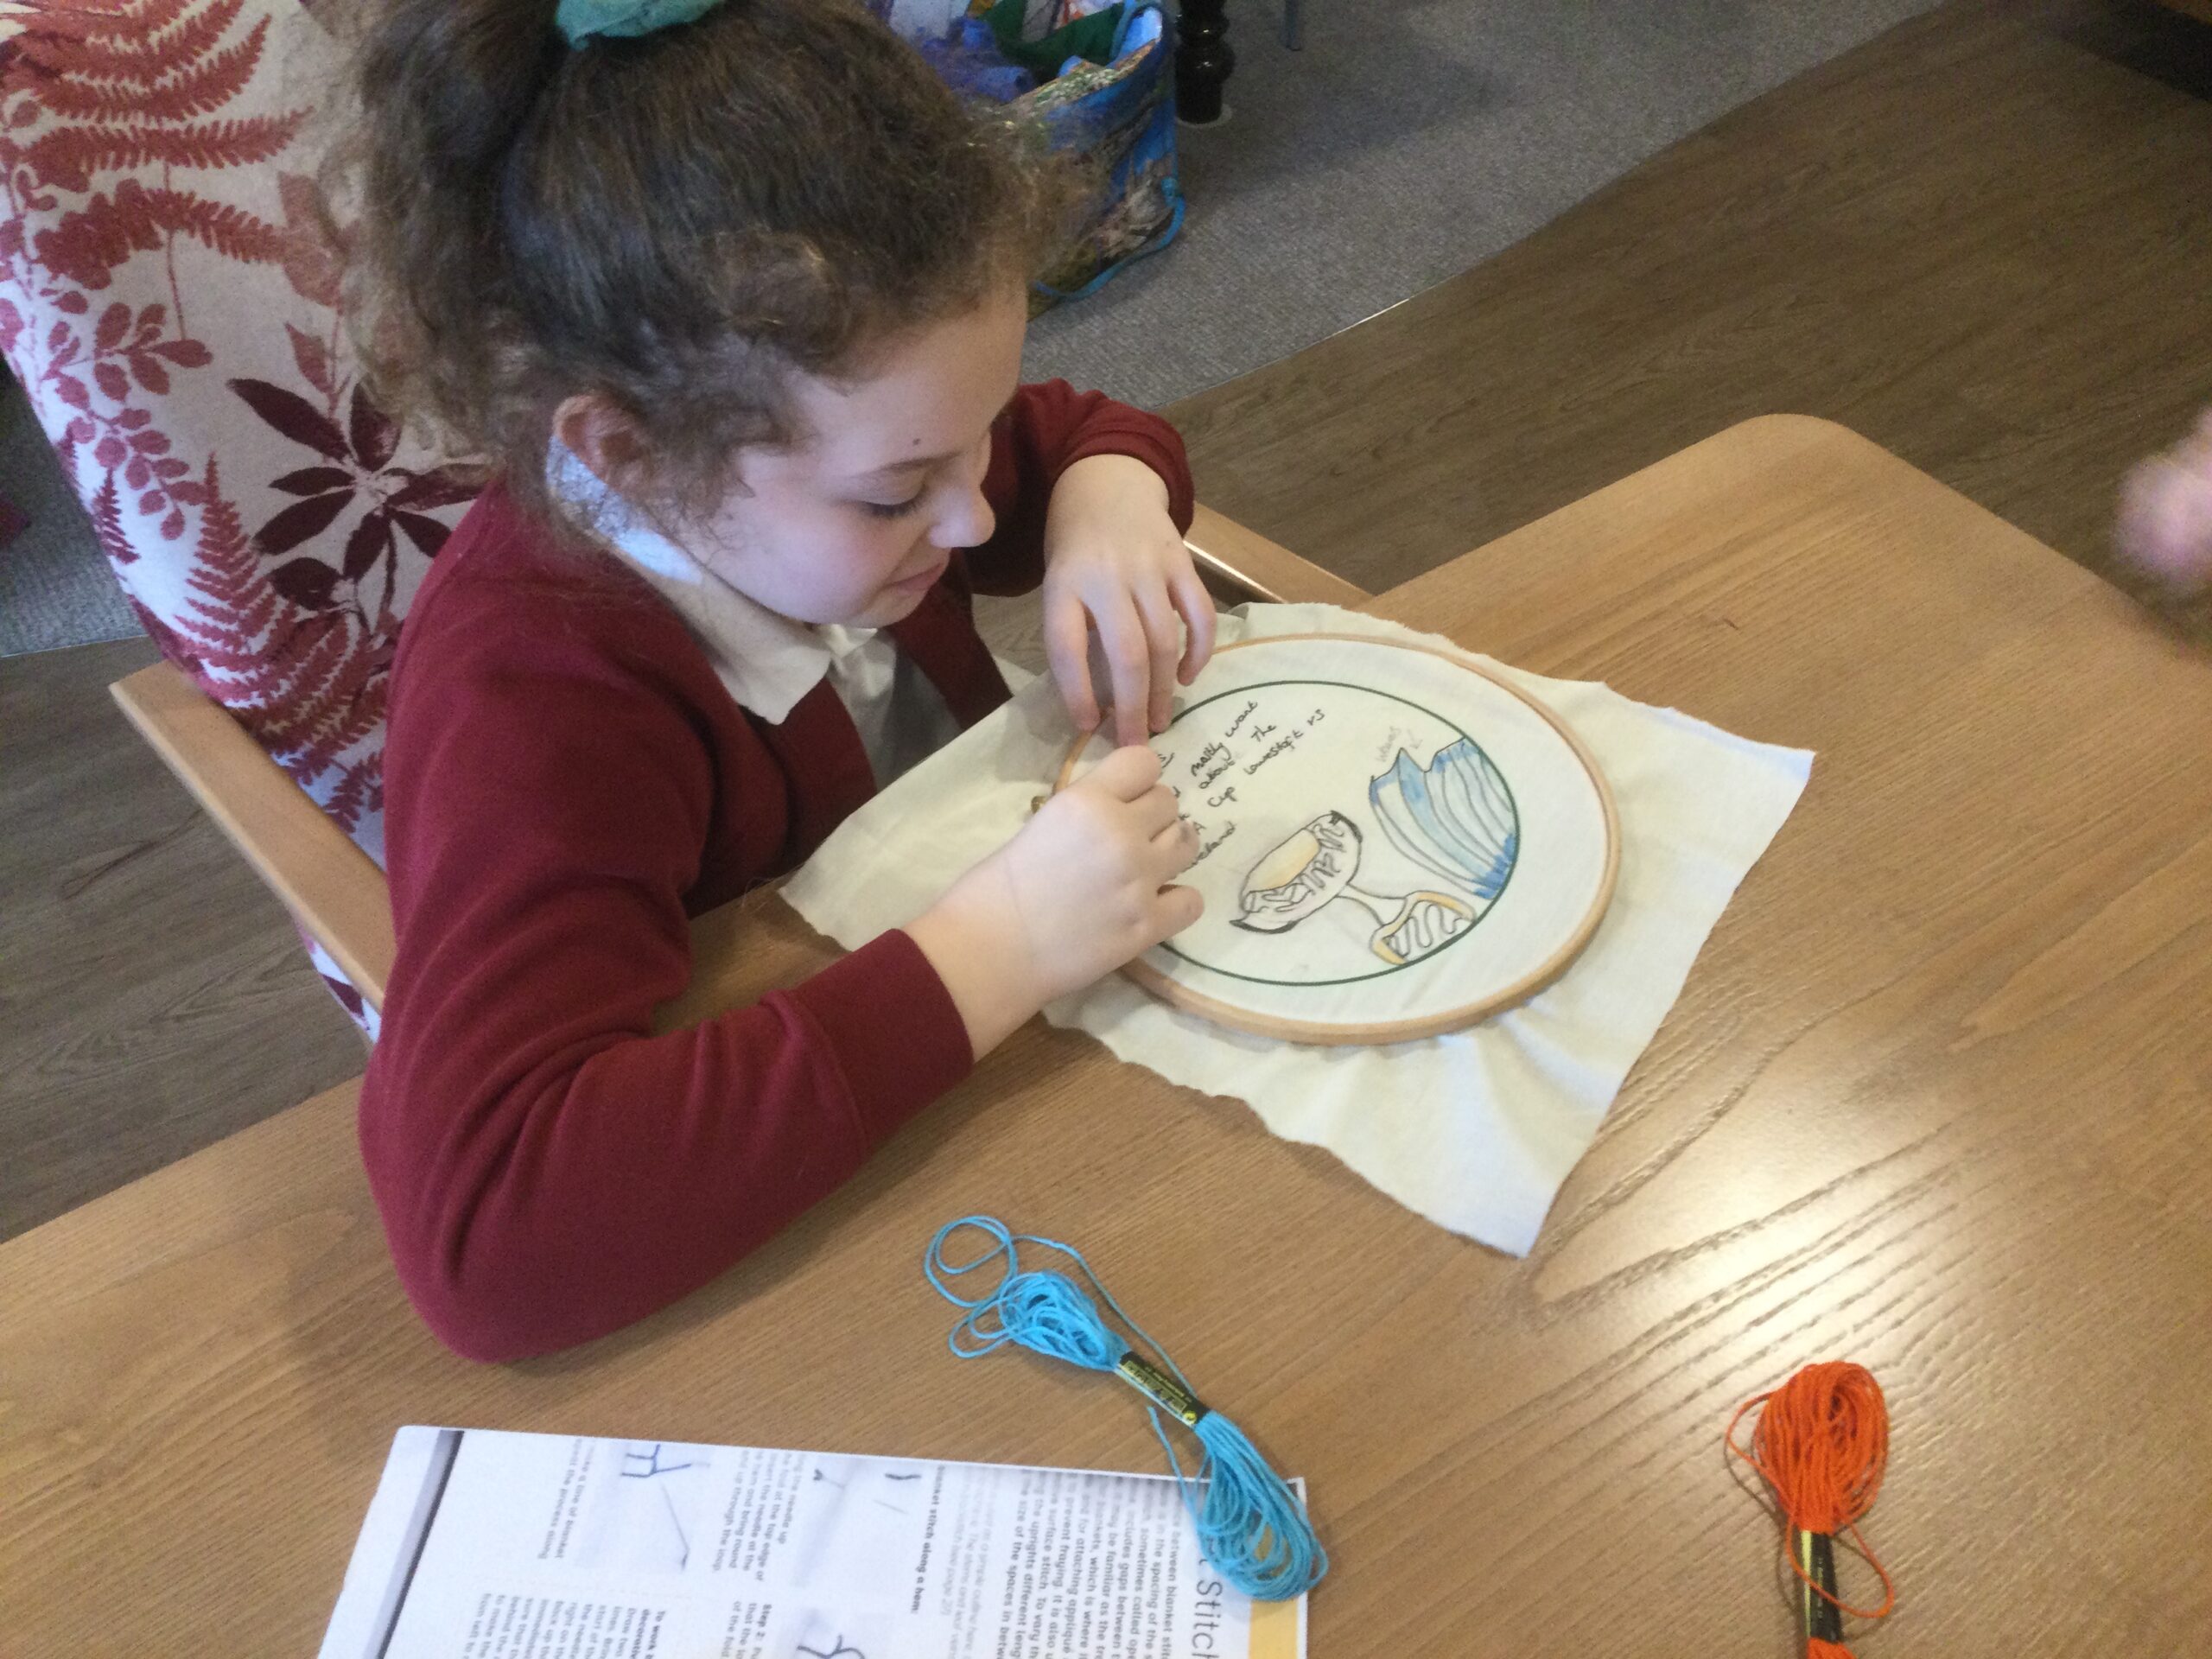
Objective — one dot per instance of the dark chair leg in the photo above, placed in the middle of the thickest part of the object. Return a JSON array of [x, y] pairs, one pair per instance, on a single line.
[[1203, 60]]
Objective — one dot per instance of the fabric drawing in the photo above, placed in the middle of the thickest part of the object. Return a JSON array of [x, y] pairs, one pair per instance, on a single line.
[[1454, 818]]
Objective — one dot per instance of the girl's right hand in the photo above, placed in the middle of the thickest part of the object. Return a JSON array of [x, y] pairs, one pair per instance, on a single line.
[[1082, 889]]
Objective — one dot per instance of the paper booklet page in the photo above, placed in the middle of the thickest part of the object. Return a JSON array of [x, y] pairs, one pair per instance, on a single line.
[[484, 1544]]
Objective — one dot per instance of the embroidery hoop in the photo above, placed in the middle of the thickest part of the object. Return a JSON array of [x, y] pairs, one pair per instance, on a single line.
[[1559, 957]]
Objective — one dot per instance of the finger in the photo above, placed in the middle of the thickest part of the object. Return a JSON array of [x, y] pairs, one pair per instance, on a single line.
[[1155, 810], [1129, 660], [1067, 650], [1172, 850], [1196, 605], [1127, 772], [1177, 908], [1163, 632]]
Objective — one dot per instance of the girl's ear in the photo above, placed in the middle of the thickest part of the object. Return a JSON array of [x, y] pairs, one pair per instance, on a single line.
[[604, 438]]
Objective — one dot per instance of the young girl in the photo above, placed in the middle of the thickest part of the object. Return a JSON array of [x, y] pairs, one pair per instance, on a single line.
[[734, 294]]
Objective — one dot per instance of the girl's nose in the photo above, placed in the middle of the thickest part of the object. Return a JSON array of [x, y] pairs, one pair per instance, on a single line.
[[967, 519]]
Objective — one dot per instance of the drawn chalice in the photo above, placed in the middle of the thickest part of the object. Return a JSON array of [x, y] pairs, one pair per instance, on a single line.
[[1314, 867], [1454, 817]]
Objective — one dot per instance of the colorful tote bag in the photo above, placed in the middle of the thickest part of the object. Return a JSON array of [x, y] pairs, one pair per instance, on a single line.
[[1122, 114]]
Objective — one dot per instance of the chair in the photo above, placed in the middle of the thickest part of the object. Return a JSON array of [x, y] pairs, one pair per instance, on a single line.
[[166, 304], [170, 312]]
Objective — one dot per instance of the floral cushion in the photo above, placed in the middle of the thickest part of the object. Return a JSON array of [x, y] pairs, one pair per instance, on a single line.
[[172, 315]]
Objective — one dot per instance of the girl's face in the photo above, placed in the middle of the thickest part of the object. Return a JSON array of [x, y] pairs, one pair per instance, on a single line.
[[855, 524]]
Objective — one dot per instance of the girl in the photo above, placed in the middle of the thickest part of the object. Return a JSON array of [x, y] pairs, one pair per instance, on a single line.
[[734, 294]]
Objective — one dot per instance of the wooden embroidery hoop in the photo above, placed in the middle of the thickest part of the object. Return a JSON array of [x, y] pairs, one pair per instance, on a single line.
[[1179, 995]]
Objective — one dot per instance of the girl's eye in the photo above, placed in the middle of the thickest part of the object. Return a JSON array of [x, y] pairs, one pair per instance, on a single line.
[[892, 509]]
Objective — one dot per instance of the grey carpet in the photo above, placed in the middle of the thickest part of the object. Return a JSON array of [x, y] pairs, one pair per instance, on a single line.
[[1408, 141], [54, 587]]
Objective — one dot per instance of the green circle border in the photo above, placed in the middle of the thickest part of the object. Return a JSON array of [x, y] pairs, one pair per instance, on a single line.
[[1168, 945]]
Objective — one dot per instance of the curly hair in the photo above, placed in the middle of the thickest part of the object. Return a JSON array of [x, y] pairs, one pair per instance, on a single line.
[[678, 223]]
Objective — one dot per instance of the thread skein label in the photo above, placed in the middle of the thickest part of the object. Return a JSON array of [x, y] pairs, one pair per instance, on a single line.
[[1162, 1389]]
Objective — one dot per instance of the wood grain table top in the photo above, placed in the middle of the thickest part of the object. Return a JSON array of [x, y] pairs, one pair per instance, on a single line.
[[1935, 1099]]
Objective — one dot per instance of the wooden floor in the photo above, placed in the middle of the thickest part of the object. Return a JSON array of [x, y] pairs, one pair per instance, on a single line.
[[1980, 241], [1983, 240], [154, 997]]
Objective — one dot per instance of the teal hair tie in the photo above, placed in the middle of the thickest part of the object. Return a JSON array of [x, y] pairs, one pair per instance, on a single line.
[[580, 20]]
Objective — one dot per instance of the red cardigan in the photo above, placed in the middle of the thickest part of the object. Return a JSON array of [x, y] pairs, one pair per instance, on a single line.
[[566, 783]]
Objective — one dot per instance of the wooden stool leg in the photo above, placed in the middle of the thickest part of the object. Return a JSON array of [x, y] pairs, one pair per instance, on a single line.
[[1203, 60]]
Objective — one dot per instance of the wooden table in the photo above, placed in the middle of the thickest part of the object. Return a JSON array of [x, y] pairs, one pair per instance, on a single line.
[[1934, 1098]]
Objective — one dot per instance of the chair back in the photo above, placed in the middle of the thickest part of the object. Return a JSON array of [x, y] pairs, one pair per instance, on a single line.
[[172, 311]]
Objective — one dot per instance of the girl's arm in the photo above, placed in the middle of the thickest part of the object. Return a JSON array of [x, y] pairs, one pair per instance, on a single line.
[[548, 1169], [1044, 431]]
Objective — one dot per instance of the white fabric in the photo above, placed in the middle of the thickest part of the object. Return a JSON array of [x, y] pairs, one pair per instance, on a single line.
[[768, 661], [1477, 1129]]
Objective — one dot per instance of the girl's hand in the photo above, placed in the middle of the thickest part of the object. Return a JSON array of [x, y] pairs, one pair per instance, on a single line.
[[1082, 889], [2165, 511], [1114, 563]]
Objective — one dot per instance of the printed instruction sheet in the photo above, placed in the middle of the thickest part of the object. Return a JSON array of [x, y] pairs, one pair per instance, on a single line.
[[481, 1544]]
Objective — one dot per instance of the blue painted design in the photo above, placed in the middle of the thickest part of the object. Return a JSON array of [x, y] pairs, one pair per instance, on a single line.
[[1454, 817]]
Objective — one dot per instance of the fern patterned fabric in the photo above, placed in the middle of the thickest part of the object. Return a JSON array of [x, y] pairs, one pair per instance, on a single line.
[[174, 319]]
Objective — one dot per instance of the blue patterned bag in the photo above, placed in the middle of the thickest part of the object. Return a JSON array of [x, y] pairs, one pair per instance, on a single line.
[[1121, 114]]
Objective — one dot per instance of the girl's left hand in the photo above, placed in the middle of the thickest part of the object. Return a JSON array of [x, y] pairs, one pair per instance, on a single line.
[[1114, 563]]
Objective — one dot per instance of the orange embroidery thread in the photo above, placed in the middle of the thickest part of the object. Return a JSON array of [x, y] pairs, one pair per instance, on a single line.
[[1821, 1442]]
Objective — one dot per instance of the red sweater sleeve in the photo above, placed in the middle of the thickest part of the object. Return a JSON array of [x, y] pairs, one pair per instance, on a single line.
[[1044, 431], [547, 1169]]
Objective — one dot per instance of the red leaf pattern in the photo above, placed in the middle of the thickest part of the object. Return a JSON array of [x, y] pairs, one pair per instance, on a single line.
[[107, 524], [374, 435], [299, 522], [84, 247], [305, 582], [312, 358], [169, 293], [440, 487], [68, 157], [295, 417], [313, 480], [427, 534], [370, 542], [311, 265]]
